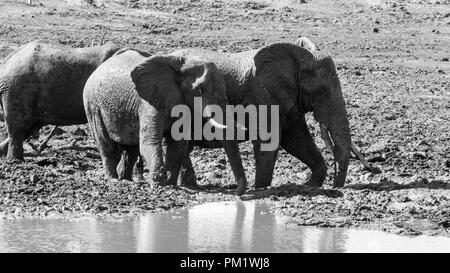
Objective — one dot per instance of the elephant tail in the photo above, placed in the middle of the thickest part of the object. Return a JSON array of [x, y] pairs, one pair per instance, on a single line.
[[3, 89], [99, 131]]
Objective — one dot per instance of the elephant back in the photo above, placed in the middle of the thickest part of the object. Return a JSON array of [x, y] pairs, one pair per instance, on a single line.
[[110, 92]]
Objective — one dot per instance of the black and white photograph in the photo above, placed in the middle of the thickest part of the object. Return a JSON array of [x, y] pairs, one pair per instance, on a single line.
[[225, 126]]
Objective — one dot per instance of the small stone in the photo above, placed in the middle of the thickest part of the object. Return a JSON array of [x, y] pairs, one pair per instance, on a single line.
[[445, 59], [358, 73], [79, 132], [376, 158], [34, 178], [447, 163], [375, 29]]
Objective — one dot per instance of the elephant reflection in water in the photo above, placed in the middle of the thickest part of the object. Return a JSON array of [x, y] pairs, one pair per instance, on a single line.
[[208, 228], [214, 227]]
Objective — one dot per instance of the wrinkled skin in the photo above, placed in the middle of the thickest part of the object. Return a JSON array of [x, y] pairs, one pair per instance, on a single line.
[[42, 83], [299, 81], [128, 102]]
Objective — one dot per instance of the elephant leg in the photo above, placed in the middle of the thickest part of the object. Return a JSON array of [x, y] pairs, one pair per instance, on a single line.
[[19, 128], [110, 151], [129, 157], [187, 173], [15, 147], [176, 152], [18, 132], [110, 160], [297, 141], [19, 119], [139, 168], [265, 163]]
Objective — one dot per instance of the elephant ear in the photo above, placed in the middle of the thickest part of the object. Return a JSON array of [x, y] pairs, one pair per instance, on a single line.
[[279, 68], [155, 76], [198, 74]]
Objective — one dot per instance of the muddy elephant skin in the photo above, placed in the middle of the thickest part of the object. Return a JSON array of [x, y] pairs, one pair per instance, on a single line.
[[129, 100], [299, 81], [42, 83]]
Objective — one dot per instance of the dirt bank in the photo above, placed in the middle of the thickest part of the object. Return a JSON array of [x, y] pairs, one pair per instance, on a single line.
[[393, 61]]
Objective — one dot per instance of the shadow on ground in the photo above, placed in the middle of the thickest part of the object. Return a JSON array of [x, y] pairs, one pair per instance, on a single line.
[[389, 185], [286, 190]]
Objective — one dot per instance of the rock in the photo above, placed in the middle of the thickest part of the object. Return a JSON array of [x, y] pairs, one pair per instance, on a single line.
[[18, 211], [377, 147], [79, 132], [447, 163], [34, 178], [358, 73], [376, 158], [375, 29], [445, 59]]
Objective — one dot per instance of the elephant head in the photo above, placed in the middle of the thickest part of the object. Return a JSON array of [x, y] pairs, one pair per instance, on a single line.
[[306, 80], [167, 81]]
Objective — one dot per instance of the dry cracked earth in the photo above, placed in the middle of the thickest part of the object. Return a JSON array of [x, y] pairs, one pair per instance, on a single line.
[[392, 58]]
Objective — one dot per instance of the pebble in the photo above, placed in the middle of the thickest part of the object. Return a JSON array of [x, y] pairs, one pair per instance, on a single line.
[[34, 178]]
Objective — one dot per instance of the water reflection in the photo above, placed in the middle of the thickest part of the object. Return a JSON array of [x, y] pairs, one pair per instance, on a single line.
[[213, 227]]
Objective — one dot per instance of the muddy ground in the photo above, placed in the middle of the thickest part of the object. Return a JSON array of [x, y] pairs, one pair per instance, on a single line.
[[393, 62]]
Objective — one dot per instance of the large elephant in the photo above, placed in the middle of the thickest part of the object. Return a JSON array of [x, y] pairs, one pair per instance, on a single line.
[[129, 101], [42, 83], [299, 81]]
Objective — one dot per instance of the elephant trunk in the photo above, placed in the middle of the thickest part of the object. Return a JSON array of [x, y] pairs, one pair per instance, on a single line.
[[150, 144], [339, 144], [230, 145]]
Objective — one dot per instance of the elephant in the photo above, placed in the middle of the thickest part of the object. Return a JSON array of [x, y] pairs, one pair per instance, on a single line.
[[41, 83], [129, 100], [306, 43], [299, 81]]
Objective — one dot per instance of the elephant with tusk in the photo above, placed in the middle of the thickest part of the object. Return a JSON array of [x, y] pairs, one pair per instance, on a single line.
[[129, 102], [298, 80], [306, 43], [42, 83]]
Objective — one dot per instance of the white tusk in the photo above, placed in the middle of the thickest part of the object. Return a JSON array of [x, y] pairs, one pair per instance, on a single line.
[[216, 124], [237, 124], [326, 139], [241, 127]]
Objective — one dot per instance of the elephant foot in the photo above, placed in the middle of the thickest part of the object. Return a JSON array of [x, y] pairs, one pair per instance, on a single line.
[[187, 179], [14, 159], [262, 184], [316, 179], [139, 177], [339, 181], [159, 180], [241, 187]]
